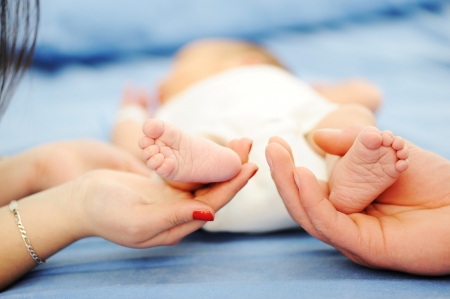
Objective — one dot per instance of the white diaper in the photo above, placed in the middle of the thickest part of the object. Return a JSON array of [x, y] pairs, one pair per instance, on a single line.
[[257, 102]]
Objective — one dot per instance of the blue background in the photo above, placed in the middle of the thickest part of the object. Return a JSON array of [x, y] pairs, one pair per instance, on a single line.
[[88, 50]]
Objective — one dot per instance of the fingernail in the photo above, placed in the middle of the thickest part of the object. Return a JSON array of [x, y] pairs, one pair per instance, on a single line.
[[203, 215], [269, 159], [296, 179], [254, 173]]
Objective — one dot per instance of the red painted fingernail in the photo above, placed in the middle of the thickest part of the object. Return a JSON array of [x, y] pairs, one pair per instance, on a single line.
[[254, 173], [203, 215]]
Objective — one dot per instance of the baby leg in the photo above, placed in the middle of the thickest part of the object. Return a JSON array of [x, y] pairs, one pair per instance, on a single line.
[[133, 112], [372, 164], [180, 157], [354, 91]]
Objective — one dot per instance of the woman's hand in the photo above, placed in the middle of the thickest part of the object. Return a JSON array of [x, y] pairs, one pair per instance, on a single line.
[[133, 211], [53, 164], [406, 229], [60, 162], [125, 208]]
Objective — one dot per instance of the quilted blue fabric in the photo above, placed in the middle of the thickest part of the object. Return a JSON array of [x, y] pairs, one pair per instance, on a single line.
[[282, 265], [104, 30], [407, 54]]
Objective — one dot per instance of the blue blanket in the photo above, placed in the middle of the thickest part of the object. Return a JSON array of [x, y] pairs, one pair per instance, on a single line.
[[403, 46], [105, 30], [283, 265]]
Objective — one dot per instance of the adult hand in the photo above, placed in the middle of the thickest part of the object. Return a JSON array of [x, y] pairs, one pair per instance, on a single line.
[[124, 208], [60, 162], [55, 163], [133, 211], [407, 228]]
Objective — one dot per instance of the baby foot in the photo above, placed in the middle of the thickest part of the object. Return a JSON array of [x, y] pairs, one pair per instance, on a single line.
[[373, 163], [180, 157]]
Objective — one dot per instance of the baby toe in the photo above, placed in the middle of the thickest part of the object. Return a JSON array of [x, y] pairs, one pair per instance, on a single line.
[[401, 165], [388, 138], [166, 168], [145, 141], [153, 128], [403, 154], [155, 161], [371, 138], [398, 143], [149, 152]]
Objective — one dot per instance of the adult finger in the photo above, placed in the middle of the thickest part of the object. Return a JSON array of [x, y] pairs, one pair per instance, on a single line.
[[282, 171], [95, 154], [134, 165], [335, 141], [283, 143], [242, 147], [336, 228], [173, 235], [220, 194], [167, 223]]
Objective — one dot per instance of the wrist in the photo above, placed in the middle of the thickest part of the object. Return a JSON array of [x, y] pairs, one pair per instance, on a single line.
[[39, 174], [49, 228], [17, 177], [48, 166], [49, 219], [73, 206]]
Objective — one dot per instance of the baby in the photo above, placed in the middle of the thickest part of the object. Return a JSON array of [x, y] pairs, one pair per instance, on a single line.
[[219, 90]]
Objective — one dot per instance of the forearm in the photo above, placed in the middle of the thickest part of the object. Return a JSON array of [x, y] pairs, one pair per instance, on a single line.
[[49, 226], [355, 91], [17, 175]]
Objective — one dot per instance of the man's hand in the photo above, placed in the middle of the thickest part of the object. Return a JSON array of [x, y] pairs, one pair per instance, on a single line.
[[406, 229]]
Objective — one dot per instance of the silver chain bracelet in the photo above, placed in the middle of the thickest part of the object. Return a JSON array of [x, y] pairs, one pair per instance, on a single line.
[[14, 208]]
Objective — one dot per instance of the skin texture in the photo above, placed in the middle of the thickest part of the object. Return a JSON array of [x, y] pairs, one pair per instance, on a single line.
[[55, 163], [122, 207], [204, 58], [407, 228], [373, 163], [181, 157], [128, 129], [355, 90]]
